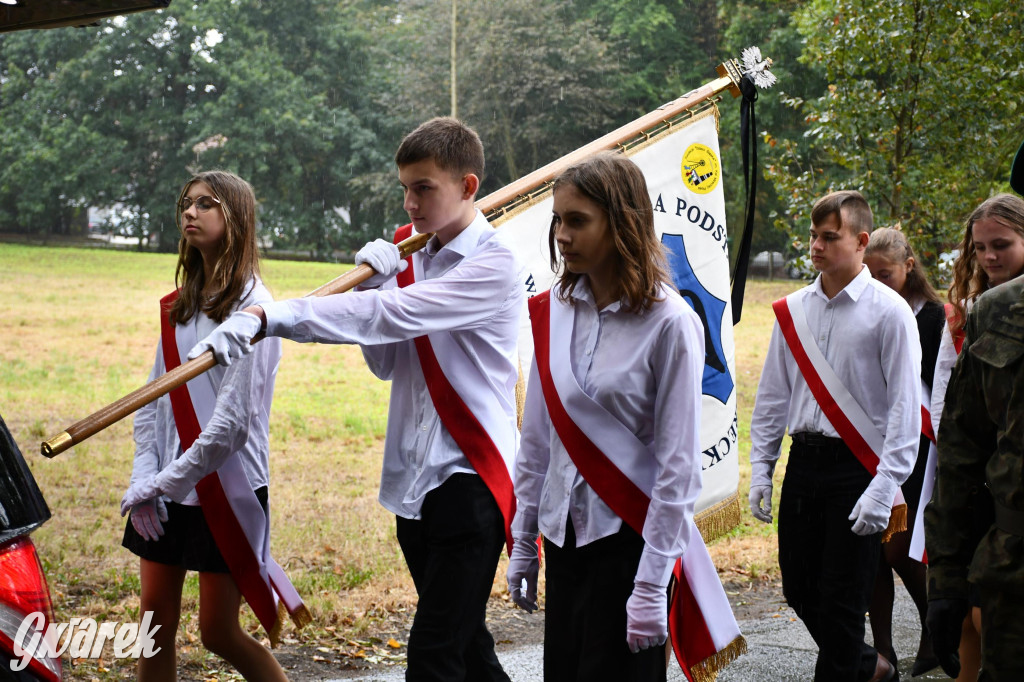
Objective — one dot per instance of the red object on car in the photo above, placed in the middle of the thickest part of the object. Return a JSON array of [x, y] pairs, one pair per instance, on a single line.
[[23, 588], [23, 591]]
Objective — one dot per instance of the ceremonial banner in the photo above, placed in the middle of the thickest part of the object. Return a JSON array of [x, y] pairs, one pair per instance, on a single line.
[[683, 169]]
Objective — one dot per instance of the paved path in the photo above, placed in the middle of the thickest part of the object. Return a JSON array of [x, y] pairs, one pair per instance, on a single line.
[[779, 648]]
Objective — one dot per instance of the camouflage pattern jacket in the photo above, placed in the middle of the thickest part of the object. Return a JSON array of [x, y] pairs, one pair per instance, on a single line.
[[981, 443]]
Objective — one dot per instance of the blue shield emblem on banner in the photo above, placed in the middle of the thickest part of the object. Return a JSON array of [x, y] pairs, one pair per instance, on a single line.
[[716, 380]]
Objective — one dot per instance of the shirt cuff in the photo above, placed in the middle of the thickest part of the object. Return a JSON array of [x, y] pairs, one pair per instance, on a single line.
[[525, 524], [761, 473], [655, 568], [280, 318], [174, 484], [882, 488]]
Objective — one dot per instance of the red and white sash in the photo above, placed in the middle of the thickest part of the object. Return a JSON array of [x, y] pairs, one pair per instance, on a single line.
[[236, 519], [702, 628], [917, 551], [917, 548], [474, 418], [843, 411]]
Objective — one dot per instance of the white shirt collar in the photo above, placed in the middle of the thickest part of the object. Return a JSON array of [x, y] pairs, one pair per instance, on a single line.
[[582, 292], [464, 242], [853, 290]]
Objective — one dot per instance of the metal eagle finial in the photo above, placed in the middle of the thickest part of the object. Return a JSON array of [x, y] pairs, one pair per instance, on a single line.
[[757, 68]]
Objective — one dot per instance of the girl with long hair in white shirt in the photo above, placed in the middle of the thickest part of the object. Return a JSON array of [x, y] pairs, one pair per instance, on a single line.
[[217, 273], [991, 253], [623, 355]]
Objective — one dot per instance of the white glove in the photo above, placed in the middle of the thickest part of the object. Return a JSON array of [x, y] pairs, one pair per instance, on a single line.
[[646, 616], [871, 513], [761, 502], [232, 339], [523, 567], [382, 256], [146, 517], [141, 491], [761, 490]]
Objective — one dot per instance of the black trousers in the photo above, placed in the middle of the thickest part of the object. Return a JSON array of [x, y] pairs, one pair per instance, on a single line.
[[452, 552], [827, 570], [585, 612]]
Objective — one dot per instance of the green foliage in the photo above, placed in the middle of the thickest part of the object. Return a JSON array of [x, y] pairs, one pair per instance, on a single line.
[[917, 113], [909, 102], [767, 24]]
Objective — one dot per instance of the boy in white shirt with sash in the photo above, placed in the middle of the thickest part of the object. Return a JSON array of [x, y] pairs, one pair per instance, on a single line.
[[842, 376], [445, 334]]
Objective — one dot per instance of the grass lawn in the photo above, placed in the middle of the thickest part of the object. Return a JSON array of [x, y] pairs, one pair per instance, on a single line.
[[79, 329]]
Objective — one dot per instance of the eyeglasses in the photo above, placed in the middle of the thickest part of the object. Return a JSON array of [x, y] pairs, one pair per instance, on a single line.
[[203, 203]]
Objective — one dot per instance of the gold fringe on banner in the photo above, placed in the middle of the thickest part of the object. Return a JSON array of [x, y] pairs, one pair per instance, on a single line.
[[720, 518], [706, 108], [897, 522], [708, 669]]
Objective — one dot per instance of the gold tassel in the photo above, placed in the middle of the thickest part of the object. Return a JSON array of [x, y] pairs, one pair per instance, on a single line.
[[708, 669], [718, 519], [897, 522], [302, 617], [274, 634]]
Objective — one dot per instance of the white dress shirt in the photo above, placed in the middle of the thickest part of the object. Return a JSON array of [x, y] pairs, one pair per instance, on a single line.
[[240, 421], [944, 362], [473, 290], [646, 370], [868, 335]]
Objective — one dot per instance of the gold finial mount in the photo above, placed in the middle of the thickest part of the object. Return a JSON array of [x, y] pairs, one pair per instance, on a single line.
[[56, 445]]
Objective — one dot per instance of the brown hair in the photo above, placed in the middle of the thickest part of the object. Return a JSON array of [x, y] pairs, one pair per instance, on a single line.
[[448, 142], [238, 261], [617, 185], [970, 280], [892, 245], [858, 212]]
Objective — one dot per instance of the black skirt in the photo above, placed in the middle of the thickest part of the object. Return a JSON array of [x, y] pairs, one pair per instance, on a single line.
[[187, 541]]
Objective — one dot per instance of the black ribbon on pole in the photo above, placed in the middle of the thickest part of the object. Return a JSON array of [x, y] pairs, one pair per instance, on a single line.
[[748, 145]]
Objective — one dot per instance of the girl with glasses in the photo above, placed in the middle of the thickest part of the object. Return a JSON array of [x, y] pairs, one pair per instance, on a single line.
[[201, 470]]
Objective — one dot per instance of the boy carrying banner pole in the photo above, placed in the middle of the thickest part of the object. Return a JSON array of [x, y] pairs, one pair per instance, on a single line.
[[842, 376], [442, 327]]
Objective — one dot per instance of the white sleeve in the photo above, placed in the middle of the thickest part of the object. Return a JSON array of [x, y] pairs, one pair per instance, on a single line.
[[944, 362], [901, 367], [678, 366], [770, 417], [147, 459], [463, 298], [531, 465], [226, 432]]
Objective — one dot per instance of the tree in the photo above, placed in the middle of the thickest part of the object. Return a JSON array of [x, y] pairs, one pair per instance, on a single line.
[[295, 115], [529, 91], [766, 24], [123, 113], [918, 112]]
